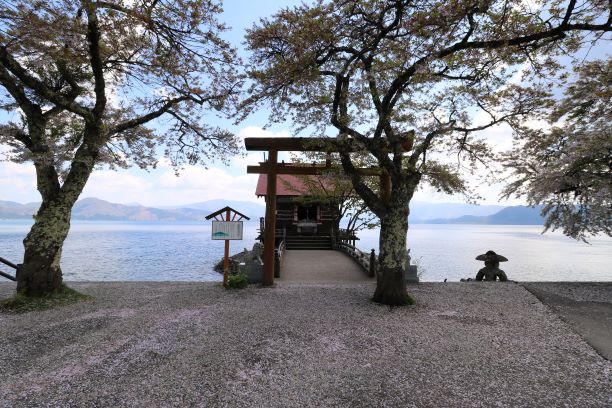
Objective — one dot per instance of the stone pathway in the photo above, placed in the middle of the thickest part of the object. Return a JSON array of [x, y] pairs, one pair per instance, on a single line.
[[320, 266]]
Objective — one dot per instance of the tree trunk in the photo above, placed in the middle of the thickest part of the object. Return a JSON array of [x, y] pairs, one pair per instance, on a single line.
[[390, 282], [40, 273]]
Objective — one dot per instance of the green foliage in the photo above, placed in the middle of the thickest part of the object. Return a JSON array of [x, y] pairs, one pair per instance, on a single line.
[[334, 189], [237, 280], [567, 168], [237, 277], [20, 303]]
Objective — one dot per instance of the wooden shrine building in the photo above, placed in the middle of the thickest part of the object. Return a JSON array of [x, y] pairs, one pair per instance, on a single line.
[[302, 221], [296, 214]]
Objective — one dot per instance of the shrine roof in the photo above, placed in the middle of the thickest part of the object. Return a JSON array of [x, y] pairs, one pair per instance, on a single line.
[[286, 185]]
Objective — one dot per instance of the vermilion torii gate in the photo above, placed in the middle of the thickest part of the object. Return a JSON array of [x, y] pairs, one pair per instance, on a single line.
[[272, 168]]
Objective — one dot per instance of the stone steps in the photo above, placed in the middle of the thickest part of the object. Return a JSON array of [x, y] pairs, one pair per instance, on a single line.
[[306, 242]]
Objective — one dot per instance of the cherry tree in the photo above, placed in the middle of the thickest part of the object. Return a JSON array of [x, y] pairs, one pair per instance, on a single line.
[[404, 80], [92, 83], [568, 168]]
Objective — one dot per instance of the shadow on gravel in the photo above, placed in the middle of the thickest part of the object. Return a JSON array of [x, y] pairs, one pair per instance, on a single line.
[[592, 320]]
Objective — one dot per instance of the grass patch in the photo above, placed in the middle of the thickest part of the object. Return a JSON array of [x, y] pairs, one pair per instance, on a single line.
[[20, 303]]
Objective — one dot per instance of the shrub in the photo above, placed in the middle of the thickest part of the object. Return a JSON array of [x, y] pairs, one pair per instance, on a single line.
[[237, 280]]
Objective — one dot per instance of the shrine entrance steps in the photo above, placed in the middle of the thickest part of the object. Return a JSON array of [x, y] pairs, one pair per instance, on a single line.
[[310, 242], [321, 266]]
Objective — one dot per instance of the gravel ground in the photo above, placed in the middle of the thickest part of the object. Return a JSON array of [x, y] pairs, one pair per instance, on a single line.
[[297, 345], [585, 306]]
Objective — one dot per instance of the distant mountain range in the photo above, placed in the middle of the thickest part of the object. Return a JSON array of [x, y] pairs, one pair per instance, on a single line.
[[11, 210], [426, 213], [517, 215], [99, 210], [421, 212]]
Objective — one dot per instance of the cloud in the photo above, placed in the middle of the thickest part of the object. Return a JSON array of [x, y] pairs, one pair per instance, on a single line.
[[253, 158], [198, 184], [18, 182], [161, 187], [121, 186]]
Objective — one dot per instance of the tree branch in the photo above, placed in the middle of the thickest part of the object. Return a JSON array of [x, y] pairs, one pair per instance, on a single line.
[[9, 62], [97, 66]]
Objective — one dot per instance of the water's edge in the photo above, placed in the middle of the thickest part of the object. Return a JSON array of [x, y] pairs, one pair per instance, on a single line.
[[152, 251]]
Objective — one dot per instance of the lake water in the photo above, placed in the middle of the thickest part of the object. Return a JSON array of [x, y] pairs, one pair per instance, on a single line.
[[136, 251]]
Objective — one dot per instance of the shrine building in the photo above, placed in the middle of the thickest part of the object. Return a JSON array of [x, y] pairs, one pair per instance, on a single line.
[[302, 221]]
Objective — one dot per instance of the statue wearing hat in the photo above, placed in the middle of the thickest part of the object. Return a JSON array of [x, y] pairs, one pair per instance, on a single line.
[[491, 271]]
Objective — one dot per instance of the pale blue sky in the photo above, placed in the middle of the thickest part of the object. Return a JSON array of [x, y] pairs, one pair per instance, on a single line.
[[162, 187]]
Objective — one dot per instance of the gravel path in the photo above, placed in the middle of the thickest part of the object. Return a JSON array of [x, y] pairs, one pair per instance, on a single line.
[[195, 344]]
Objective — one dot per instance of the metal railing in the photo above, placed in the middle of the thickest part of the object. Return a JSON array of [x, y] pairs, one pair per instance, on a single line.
[[12, 265]]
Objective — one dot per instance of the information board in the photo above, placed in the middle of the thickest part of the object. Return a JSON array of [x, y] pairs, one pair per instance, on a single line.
[[231, 230]]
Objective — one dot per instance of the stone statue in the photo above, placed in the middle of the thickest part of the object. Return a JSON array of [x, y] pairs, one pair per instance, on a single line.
[[491, 271]]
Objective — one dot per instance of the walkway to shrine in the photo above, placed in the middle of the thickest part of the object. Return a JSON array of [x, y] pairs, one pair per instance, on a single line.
[[321, 266]]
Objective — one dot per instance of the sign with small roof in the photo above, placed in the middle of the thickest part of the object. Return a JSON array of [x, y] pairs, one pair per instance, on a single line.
[[226, 225]]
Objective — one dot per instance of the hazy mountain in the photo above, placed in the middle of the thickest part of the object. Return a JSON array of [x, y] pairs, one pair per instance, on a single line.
[[517, 215], [248, 208], [96, 209], [423, 211], [12, 210], [438, 213]]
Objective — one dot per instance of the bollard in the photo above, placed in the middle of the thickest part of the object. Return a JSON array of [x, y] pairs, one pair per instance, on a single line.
[[372, 264]]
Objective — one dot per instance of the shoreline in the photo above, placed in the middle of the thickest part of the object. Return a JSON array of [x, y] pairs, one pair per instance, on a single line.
[[194, 343]]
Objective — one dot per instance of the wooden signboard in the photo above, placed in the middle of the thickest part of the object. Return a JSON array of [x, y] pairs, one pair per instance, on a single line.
[[229, 230], [227, 225]]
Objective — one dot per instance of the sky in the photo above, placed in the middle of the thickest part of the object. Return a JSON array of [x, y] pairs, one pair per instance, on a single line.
[[161, 187]]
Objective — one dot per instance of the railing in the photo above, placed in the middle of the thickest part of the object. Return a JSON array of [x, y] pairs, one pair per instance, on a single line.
[[278, 232], [367, 261], [279, 253], [12, 265], [347, 237]]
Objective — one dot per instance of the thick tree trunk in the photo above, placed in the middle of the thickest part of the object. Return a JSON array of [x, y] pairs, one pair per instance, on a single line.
[[390, 282], [40, 273]]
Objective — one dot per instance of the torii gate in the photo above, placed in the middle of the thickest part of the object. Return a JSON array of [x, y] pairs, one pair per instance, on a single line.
[[272, 168]]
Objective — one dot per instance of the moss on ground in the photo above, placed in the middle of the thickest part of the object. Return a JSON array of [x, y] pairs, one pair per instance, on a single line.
[[20, 303]]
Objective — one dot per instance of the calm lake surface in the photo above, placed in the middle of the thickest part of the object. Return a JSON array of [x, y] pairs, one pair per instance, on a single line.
[[136, 251]]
